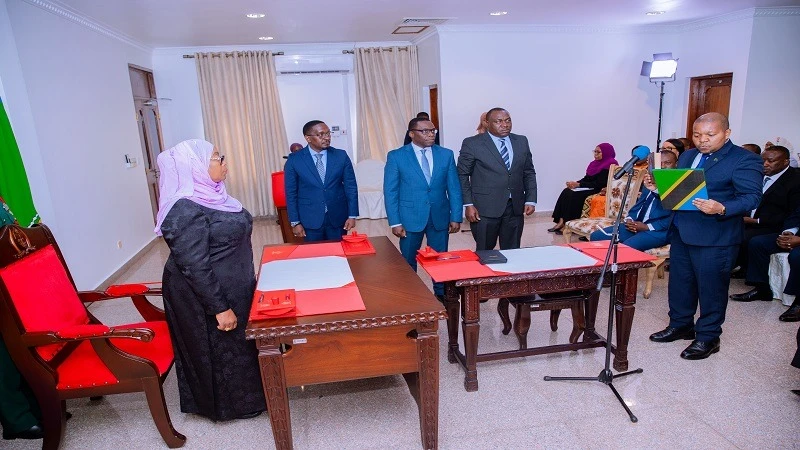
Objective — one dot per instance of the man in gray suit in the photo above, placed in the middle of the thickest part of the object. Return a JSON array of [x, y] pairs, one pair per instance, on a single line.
[[498, 182]]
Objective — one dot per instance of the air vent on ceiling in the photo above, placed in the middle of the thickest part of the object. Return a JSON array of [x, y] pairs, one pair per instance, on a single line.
[[422, 21]]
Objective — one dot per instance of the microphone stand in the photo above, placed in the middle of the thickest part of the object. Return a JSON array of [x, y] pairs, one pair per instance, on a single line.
[[606, 376]]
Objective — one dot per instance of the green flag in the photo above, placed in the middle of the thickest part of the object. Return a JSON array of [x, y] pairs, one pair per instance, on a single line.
[[14, 187]]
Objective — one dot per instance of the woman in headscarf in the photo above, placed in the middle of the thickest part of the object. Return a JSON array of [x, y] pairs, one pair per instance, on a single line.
[[208, 284], [570, 202]]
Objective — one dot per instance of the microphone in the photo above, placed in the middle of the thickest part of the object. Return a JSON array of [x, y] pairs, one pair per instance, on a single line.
[[640, 152]]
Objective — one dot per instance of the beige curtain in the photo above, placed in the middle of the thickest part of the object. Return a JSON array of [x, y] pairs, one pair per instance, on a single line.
[[242, 117], [387, 97]]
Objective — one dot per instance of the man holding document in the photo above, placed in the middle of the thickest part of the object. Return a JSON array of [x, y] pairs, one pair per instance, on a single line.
[[704, 242]]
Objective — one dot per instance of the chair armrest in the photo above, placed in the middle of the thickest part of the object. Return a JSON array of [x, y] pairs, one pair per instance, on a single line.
[[85, 332], [120, 291], [137, 293]]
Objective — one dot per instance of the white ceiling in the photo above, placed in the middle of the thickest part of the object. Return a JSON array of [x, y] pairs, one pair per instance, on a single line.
[[179, 23]]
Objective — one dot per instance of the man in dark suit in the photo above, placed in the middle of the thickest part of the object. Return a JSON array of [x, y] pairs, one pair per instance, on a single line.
[[704, 243], [759, 251], [647, 222], [321, 191], [422, 194], [498, 182], [781, 196]]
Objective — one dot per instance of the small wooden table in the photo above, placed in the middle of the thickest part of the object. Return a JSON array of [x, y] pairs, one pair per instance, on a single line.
[[472, 291], [397, 334]]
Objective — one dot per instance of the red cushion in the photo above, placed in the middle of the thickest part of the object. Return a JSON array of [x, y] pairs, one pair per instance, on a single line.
[[43, 295], [83, 368]]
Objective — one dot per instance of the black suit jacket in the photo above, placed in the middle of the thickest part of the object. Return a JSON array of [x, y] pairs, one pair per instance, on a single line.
[[486, 182], [782, 197]]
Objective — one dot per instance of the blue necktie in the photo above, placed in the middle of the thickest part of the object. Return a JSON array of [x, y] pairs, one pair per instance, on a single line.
[[703, 159], [504, 153], [426, 168]]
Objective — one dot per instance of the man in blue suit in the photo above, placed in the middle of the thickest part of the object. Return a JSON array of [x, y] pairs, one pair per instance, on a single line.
[[704, 243], [321, 191], [647, 222], [422, 194]]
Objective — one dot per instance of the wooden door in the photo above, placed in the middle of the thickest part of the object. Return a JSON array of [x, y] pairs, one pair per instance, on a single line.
[[148, 122], [433, 95], [710, 93]]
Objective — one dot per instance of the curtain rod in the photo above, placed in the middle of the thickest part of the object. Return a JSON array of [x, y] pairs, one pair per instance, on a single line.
[[230, 54], [389, 49]]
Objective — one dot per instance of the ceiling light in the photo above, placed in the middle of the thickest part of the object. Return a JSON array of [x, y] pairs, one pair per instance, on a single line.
[[266, 38], [498, 13], [654, 13], [255, 15]]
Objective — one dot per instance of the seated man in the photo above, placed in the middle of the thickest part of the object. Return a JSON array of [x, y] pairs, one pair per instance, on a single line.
[[781, 196], [759, 250], [647, 222]]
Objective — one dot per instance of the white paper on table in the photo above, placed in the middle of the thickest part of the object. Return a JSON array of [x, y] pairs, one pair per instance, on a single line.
[[305, 274], [538, 259]]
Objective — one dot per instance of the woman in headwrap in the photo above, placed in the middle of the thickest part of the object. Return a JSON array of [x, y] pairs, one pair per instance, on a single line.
[[208, 284], [571, 200]]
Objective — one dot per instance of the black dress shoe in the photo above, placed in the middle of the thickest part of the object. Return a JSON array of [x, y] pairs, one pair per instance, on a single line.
[[791, 315], [701, 349], [670, 334], [559, 231], [34, 432], [752, 295], [250, 415], [796, 391], [555, 228], [583, 238]]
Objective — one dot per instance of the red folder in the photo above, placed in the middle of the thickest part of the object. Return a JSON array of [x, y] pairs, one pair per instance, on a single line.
[[625, 254], [459, 271], [433, 258], [316, 250]]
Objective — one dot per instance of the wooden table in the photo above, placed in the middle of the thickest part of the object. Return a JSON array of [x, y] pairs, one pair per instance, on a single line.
[[472, 291], [397, 334]]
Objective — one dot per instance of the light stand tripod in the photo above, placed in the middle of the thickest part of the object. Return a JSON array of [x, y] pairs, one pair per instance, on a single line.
[[606, 376], [660, 112]]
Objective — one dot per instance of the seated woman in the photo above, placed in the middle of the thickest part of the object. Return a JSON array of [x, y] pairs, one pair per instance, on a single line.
[[208, 284], [570, 202], [673, 145], [647, 222]]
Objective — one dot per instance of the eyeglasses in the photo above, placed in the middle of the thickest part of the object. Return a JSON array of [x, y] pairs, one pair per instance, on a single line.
[[320, 135], [221, 159], [426, 131]]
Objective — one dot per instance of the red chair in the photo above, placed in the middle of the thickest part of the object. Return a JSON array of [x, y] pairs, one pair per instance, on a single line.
[[62, 350]]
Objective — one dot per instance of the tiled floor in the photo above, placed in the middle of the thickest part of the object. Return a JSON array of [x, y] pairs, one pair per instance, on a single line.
[[738, 398]]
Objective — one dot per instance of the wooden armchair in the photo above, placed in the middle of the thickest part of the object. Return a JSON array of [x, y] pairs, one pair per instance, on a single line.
[[62, 350], [614, 189]]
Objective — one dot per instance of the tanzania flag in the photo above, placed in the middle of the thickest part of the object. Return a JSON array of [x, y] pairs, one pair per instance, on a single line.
[[14, 187], [678, 187]]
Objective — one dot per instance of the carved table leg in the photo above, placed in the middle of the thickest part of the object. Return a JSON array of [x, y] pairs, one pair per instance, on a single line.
[[590, 313], [274, 380], [578, 322], [451, 305], [428, 384], [471, 325], [624, 306], [522, 323], [554, 313], [502, 310]]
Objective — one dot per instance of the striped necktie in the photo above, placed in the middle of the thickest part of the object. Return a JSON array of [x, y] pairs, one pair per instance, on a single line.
[[320, 167], [504, 153]]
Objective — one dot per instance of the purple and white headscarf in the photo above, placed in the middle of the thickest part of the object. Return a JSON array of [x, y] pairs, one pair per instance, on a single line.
[[184, 174]]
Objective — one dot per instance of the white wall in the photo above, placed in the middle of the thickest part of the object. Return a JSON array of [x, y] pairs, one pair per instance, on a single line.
[[772, 95], [567, 92], [430, 69], [80, 100]]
